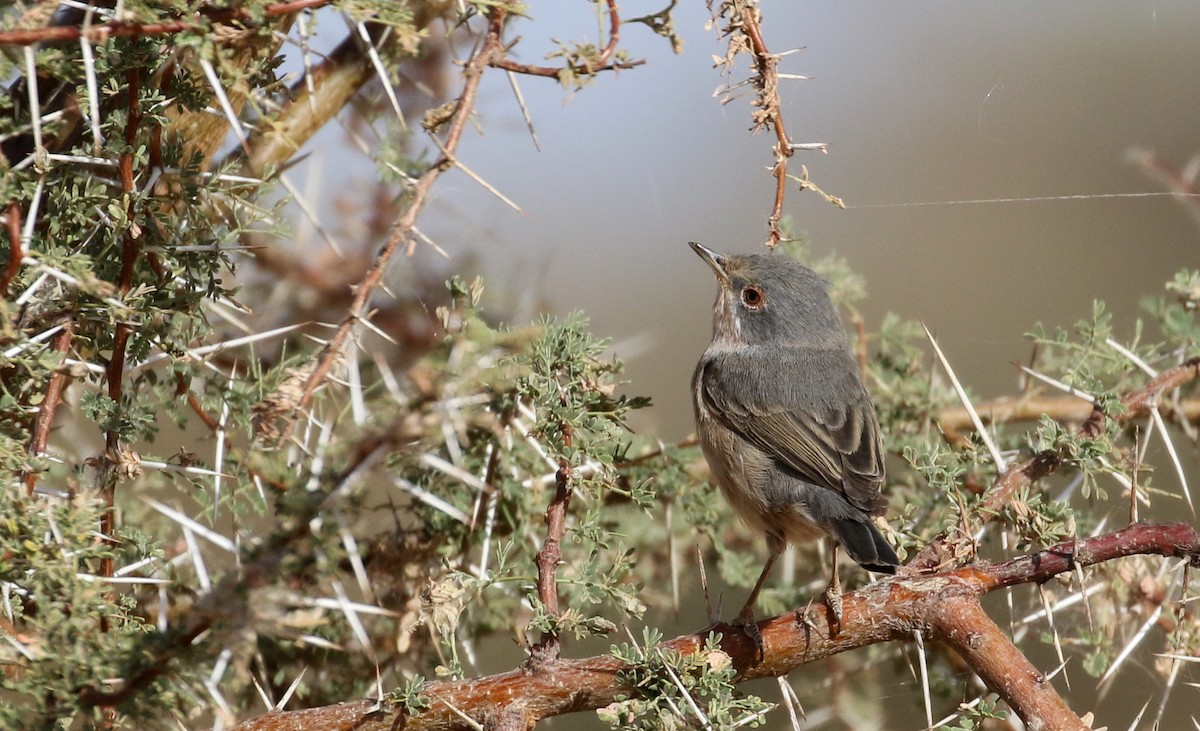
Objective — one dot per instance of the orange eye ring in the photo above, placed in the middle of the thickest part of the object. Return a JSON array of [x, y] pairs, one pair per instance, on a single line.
[[754, 297]]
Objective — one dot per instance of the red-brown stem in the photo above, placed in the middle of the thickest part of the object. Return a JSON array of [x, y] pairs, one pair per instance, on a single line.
[[472, 74], [944, 606], [99, 32], [116, 367], [50, 401], [602, 61], [181, 388], [13, 224], [549, 648], [766, 64]]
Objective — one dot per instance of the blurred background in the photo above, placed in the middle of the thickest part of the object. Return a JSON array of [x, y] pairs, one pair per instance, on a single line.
[[926, 108]]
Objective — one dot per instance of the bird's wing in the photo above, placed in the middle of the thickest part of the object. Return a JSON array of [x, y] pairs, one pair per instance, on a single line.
[[806, 408]]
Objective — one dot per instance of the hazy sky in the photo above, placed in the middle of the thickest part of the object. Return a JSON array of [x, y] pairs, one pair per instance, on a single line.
[[920, 102]]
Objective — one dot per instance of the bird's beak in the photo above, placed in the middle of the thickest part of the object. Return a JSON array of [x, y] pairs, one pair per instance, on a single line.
[[713, 259]]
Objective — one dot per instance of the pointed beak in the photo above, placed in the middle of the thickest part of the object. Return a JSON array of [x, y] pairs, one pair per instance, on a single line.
[[713, 259]]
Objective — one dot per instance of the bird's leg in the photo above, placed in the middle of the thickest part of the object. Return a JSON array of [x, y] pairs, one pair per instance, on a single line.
[[745, 618], [833, 592]]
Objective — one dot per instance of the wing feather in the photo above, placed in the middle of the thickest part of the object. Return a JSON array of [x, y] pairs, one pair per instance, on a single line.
[[806, 408]]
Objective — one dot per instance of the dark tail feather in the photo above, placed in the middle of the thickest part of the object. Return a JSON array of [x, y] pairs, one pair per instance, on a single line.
[[865, 544]]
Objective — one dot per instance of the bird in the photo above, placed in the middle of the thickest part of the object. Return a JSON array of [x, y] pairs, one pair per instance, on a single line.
[[784, 421]]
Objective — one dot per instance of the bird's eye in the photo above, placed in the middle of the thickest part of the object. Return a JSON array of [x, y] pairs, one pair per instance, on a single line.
[[754, 297]]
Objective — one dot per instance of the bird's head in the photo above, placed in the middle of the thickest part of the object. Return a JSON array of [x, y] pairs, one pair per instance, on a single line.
[[768, 298]]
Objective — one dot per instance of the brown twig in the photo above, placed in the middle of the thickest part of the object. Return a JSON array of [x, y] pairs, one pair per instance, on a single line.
[[402, 229], [603, 62], [943, 606], [50, 401], [13, 225], [1138, 402], [100, 32]]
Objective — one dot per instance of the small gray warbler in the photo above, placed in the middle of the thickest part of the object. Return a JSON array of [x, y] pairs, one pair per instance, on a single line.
[[784, 420]]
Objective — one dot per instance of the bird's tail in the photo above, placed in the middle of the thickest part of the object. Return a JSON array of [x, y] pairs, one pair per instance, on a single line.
[[865, 544]]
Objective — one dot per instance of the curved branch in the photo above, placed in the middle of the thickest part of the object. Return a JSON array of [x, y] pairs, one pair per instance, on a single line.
[[943, 606], [996, 660], [603, 61]]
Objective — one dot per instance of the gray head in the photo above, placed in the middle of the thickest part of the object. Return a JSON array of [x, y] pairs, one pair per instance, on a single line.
[[769, 298]]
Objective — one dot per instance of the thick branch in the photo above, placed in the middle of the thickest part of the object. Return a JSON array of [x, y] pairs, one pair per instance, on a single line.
[[943, 606], [996, 660], [333, 82]]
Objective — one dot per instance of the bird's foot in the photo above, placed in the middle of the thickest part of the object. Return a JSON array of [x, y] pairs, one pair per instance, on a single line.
[[833, 600], [750, 628]]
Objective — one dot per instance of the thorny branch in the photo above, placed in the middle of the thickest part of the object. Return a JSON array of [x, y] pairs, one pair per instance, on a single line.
[[230, 603], [99, 32], [402, 229], [744, 31], [766, 66], [943, 607], [1064, 409], [941, 550], [489, 51]]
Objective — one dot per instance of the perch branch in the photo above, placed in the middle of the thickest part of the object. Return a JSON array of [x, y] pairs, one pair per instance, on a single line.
[[943, 606]]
